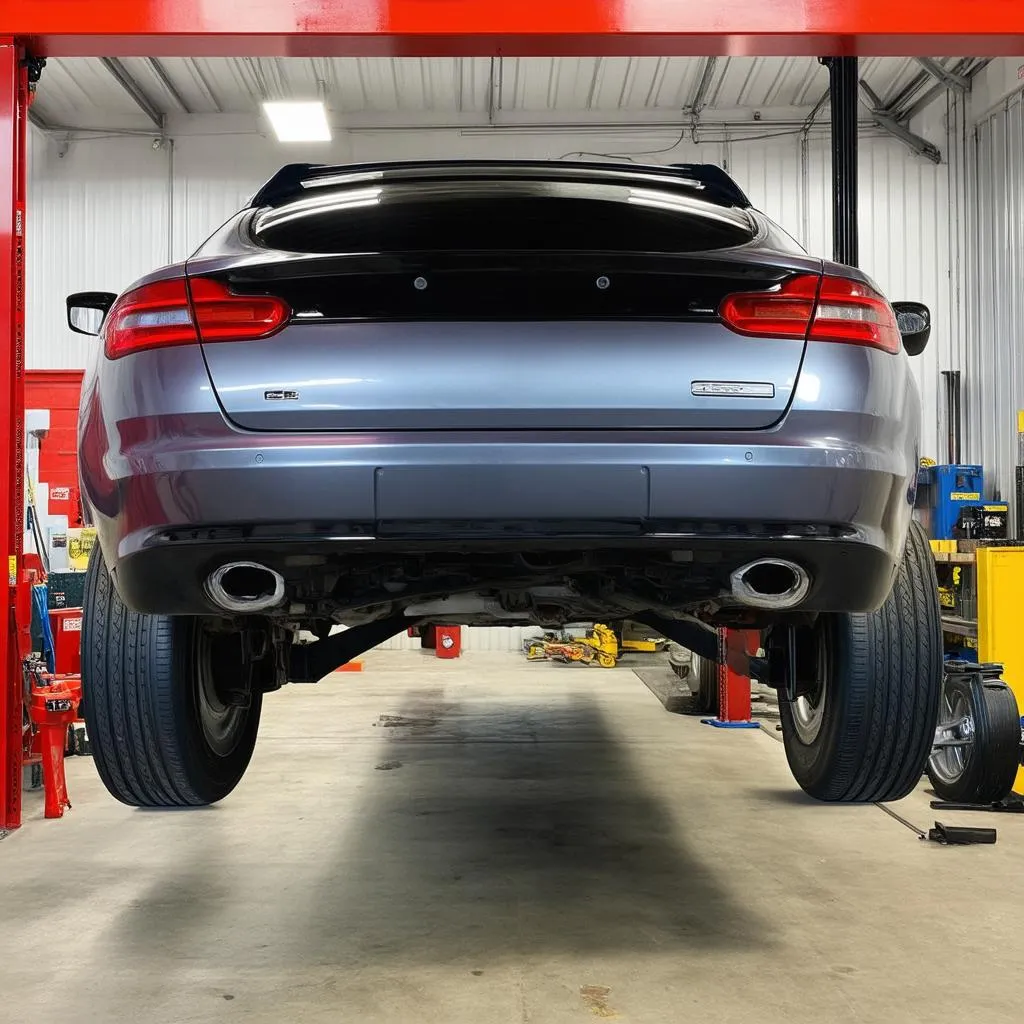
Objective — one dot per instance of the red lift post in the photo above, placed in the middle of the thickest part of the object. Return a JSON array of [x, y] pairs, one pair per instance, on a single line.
[[361, 28], [15, 622]]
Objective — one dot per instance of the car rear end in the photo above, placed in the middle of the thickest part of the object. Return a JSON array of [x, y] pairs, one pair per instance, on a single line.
[[500, 357]]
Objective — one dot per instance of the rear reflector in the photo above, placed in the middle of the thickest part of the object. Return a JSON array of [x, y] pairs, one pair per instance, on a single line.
[[820, 309], [160, 314]]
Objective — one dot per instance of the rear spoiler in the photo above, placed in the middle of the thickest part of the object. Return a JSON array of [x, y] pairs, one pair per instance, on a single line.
[[709, 181]]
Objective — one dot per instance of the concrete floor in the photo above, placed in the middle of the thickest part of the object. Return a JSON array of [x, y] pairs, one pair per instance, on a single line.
[[485, 841]]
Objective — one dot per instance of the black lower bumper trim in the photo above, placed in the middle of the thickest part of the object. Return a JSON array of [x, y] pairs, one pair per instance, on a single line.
[[167, 577]]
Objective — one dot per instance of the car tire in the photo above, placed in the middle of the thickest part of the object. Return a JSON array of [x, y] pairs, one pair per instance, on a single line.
[[865, 731], [704, 685], [983, 771], [161, 734], [679, 659]]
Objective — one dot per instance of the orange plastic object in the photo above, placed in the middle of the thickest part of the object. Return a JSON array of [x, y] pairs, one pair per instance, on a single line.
[[54, 707]]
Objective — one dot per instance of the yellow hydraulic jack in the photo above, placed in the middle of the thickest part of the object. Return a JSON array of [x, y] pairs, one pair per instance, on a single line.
[[598, 645]]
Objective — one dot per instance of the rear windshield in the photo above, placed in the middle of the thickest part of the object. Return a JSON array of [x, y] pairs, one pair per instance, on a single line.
[[501, 215]]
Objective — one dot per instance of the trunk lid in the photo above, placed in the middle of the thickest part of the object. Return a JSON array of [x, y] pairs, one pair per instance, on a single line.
[[485, 310]]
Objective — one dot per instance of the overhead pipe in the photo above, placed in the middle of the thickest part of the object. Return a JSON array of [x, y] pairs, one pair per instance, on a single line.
[[953, 431]]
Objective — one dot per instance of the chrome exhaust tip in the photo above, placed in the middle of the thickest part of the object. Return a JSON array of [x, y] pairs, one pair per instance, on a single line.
[[245, 587], [770, 583]]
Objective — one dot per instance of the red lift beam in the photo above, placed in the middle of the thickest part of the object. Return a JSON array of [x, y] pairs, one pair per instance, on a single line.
[[325, 28], [308, 28]]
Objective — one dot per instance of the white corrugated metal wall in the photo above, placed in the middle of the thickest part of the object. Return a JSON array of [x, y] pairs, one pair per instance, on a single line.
[[107, 210], [994, 365]]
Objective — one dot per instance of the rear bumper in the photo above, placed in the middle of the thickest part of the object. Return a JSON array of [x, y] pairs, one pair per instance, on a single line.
[[167, 577], [170, 508]]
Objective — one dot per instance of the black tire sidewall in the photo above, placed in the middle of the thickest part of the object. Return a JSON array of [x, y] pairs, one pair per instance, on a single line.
[[884, 686], [706, 692], [995, 756], [211, 776], [138, 679], [812, 763]]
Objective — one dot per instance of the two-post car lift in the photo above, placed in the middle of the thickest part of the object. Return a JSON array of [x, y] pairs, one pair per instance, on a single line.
[[30, 29]]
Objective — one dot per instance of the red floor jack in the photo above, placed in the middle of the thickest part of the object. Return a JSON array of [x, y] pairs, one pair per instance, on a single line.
[[53, 709]]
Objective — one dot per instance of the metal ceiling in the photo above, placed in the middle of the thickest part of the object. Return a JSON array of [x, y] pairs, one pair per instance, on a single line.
[[138, 91]]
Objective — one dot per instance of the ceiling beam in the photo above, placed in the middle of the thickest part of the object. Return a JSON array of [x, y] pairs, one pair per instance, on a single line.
[[943, 74], [885, 120], [164, 79], [967, 72], [130, 86], [700, 93], [204, 85]]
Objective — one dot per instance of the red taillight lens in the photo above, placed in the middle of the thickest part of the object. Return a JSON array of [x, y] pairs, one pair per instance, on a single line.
[[784, 313], [160, 314], [222, 316], [149, 317], [855, 314], [820, 309]]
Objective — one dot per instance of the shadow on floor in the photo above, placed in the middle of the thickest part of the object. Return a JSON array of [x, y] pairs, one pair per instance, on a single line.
[[525, 829], [478, 832]]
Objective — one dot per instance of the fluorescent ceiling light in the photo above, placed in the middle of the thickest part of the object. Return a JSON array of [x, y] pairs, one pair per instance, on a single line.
[[298, 122]]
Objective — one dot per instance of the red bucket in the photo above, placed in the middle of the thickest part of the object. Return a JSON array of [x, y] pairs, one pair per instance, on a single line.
[[448, 641]]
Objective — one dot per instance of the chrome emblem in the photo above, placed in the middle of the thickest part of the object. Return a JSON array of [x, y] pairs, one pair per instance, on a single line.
[[281, 396], [732, 388]]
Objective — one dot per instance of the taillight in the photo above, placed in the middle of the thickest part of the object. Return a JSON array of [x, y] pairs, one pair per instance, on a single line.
[[854, 313], [821, 309], [783, 313], [222, 316], [160, 314], [152, 316]]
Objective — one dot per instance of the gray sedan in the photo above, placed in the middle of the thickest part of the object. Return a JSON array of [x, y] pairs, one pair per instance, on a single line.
[[503, 394]]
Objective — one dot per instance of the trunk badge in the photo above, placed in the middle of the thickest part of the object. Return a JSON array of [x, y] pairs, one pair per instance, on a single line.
[[281, 396], [732, 388]]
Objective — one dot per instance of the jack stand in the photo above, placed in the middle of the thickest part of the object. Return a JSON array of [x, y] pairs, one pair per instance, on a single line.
[[733, 688], [53, 708]]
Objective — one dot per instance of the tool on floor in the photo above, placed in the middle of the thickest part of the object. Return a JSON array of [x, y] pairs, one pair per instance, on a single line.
[[599, 645], [946, 835]]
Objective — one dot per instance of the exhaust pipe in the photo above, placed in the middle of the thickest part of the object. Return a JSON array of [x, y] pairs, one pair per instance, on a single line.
[[770, 583], [245, 587]]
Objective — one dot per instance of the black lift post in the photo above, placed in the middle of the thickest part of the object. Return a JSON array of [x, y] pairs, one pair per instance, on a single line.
[[843, 96]]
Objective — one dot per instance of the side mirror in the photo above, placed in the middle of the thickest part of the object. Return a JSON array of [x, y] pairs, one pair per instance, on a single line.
[[87, 310], [915, 323]]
